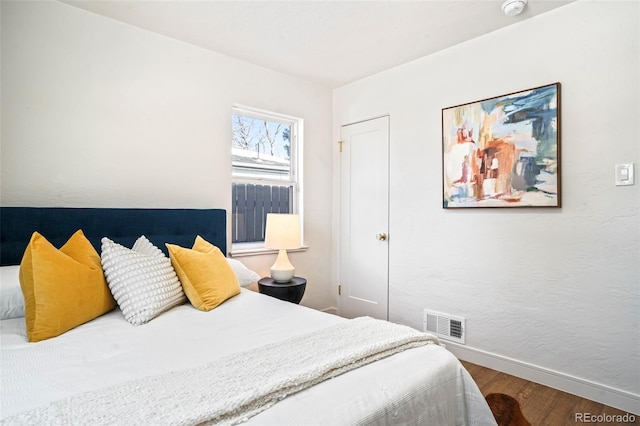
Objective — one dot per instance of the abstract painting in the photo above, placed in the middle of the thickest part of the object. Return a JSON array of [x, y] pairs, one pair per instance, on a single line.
[[503, 151]]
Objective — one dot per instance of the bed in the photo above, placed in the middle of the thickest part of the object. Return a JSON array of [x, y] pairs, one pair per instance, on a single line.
[[251, 359]]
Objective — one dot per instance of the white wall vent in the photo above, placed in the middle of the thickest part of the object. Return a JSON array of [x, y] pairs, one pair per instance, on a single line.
[[447, 327]]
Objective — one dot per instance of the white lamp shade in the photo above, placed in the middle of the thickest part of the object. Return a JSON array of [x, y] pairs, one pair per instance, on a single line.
[[282, 231]]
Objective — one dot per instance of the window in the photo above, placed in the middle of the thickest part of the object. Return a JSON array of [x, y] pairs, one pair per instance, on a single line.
[[265, 148]]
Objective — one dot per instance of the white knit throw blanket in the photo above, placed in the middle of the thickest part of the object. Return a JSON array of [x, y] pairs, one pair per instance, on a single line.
[[232, 389]]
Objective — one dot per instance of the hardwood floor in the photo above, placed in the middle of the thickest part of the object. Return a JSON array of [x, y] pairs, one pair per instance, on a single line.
[[544, 406]]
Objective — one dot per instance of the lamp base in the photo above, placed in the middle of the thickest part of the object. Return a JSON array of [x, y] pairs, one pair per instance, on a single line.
[[282, 276], [282, 270]]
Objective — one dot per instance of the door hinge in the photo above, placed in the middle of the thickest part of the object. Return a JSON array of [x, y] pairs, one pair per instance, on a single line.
[[339, 290], [340, 145]]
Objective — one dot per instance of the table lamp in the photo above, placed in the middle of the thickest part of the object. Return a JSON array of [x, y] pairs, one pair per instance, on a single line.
[[282, 233]]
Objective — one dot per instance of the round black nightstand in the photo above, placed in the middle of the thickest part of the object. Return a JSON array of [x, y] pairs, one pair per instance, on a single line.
[[291, 291]]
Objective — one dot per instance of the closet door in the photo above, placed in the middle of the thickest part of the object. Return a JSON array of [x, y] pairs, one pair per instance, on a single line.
[[364, 219]]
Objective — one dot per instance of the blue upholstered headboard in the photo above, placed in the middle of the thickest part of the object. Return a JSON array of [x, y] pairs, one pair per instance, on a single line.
[[124, 226]]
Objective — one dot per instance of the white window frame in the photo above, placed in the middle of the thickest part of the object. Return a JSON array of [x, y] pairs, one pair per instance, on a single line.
[[296, 139]]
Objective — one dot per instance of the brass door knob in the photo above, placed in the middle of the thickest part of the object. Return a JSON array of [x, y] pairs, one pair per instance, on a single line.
[[381, 237]]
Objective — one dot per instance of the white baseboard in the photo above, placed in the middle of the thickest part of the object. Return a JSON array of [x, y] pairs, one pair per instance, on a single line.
[[603, 394], [330, 310]]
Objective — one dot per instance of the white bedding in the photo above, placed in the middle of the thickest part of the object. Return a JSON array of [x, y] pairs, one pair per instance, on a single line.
[[425, 385]]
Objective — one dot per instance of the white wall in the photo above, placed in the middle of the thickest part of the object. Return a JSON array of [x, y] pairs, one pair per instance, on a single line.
[[553, 293], [98, 113]]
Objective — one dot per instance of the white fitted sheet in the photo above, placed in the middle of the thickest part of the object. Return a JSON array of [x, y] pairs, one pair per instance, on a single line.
[[425, 385]]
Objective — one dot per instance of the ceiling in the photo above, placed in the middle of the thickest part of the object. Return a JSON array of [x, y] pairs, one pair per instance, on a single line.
[[331, 42]]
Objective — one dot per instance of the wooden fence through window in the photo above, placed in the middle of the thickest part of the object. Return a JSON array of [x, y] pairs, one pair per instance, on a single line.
[[250, 206]]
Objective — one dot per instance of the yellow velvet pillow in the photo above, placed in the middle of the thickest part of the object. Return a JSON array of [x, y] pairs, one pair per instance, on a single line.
[[206, 276], [62, 288]]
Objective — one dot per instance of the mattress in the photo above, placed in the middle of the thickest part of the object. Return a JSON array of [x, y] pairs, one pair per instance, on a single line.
[[425, 385]]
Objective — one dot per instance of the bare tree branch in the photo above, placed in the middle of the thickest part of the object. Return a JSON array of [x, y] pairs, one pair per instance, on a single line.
[[242, 133], [271, 138]]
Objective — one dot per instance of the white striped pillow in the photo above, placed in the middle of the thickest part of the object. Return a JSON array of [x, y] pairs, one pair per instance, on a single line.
[[141, 279]]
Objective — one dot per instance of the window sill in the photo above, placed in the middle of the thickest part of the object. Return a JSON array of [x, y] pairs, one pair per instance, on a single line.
[[261, 251]]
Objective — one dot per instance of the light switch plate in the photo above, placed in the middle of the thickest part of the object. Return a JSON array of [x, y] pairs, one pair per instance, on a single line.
[[624, 174]]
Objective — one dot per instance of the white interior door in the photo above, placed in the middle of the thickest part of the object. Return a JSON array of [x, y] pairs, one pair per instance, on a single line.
[[364, 219]]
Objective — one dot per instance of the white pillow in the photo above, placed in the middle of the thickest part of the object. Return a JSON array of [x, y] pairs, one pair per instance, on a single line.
[[245, 275], [141, 279], [11, 298]]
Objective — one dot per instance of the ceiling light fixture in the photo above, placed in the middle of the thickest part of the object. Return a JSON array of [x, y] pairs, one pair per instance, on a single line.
[[513, 7]]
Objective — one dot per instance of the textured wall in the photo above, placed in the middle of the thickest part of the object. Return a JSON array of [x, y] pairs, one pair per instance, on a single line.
[[99, 113], [554, 288]]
